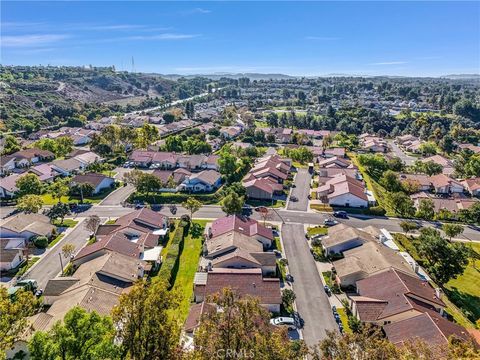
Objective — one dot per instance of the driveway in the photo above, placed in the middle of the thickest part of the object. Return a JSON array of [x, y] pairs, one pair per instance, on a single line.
[[300, 191], [312, 302], [407, 159], [119, 195], [48, 266]]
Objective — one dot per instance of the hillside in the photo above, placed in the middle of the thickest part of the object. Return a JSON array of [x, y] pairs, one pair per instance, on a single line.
[[43, 96]]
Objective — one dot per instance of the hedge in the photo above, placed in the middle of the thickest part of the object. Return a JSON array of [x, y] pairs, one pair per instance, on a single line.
[[169, 198], [170, 263]]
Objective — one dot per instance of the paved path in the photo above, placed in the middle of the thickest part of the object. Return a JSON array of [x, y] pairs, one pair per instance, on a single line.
[[118, 196], [301, 191], [407, 159], [49, 264], [312, 302]]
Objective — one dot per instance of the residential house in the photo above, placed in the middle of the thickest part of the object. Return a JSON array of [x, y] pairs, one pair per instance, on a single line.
[[443, 184], [343, 190], [262, 189], [45, 172], [191, 162], [241, 259], [373, 143], [245, 282], [195, 315], [204, 181], [472, 185], [229, 242], [454, 203], [447, 164], [68, 167], [96, 285], [420, 180], [28, 157], [8, 186], [12, 253], [135, 234], [211, 162], [231, 132], [334, 162], [7, 164], [99, 182], [362, 261], [175, 177], [331, 152], [26, 226], [342, 237], [405, 296], [242, 224], [474, 148]]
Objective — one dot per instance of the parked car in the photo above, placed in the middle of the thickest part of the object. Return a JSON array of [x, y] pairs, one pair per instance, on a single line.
[[327, 290], [337, 318], [293, 198], [341, 214], [330, 222], [287, 322], [277, 253], [289, 278], [334, 309]]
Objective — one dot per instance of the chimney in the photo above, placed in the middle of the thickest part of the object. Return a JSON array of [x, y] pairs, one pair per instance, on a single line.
[[416, 267], [140, 271], [209, 266]]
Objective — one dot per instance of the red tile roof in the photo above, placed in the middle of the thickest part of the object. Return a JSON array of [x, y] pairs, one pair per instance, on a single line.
[[242, 224]]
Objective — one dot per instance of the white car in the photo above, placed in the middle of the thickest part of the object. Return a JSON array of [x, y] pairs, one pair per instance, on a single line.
[[330, 222], [284, 321]]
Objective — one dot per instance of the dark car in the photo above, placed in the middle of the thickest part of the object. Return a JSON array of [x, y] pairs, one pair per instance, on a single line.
[[293, 198], [327, 290], [341, 214]]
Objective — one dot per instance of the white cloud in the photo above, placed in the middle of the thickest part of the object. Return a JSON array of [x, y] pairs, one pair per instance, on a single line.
[[390, 63], [32, 40]]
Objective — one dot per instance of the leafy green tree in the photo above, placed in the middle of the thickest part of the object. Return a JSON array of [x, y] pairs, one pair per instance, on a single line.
[[83, 190], [59, 188], [428, 148], [29, 184], [444, 260], [242, 327], [13, 319], [227, 165], [426, 209], [146, 135], [148, 183], [232, 204], [64, 146], [408, 226], [410, 186], [174, 143], [401, 204], [153, 333], [82, 336], [396, 164], [288, 297], [11, 145], [59, 210], [452, 230], [390, 181], [30, 203], [192, 205]]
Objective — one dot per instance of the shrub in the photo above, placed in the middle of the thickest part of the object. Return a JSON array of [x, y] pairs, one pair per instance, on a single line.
[[173, 254], [40, 242], [377, 211], [316, 242]]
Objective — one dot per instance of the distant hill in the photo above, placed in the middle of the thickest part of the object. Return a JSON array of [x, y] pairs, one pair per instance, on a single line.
[[461, 76], [219, 75]]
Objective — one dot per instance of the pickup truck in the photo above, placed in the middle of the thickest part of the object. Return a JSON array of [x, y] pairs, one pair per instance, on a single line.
[[26, 284]]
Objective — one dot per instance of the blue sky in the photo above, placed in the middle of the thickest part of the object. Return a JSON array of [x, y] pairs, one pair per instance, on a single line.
[[299, 38]]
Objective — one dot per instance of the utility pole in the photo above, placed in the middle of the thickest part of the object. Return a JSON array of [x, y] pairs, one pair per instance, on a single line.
[[61, 262]]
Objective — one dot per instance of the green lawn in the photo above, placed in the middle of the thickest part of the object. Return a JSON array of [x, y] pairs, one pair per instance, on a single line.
[[49, 200], [66, 223], [23, 269], [327, 276], [465, 290], [260, 124], [188, 265], [56, 240], [378, 191], [344, 319], [267, 203], [317, 230], [277, 244]]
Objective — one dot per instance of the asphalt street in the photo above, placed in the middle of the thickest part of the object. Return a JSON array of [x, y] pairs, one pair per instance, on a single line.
[[300, 191], [49, 265], [407, 159], [312, 302]]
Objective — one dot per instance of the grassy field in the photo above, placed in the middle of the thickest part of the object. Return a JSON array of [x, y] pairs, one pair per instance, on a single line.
[[49, 200], [317, 230], [378, 191], [276, 203], [465, 290], [463, 293], [188, 265], [321, 207]]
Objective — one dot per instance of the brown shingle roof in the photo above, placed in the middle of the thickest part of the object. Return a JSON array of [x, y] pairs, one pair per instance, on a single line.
[[244, 282]]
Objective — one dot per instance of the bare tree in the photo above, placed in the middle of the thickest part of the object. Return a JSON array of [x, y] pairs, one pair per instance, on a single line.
[[92, 223], [68, 250]]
